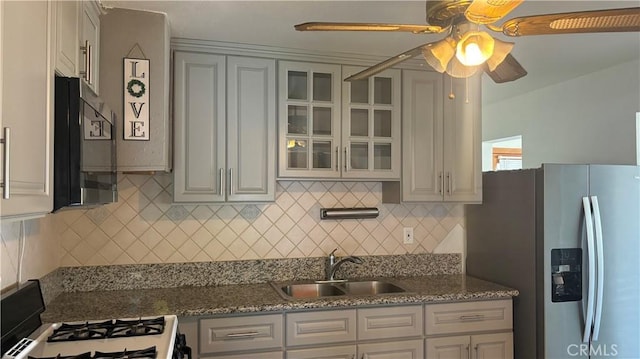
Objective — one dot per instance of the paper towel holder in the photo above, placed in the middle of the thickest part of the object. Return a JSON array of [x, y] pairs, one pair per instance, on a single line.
[[349, 213]]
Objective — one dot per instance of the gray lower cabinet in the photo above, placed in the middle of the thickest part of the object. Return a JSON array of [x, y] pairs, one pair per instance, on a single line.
[[331, 352], [365, 327], [464, 330], [494, 346], [406, 349], [225, 128], [469, 330], [231, 335]]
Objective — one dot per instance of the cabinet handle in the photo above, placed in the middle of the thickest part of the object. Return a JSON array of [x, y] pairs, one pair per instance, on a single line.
[[242, 335], [220, 181], [6, 164], [440, 183], [86, 50], [89, 66], [337, 157], [474, 317], [231, 181], [346, 157], [450, 176]]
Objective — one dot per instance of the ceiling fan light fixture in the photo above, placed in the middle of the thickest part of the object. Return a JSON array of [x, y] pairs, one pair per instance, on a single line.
[[474, 48], [438, 54], [500, 51], [459, 70]]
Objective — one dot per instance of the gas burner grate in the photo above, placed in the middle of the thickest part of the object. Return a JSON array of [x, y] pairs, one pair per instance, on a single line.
[[148, 353], [137, 327], [107, 329], [83, 331], [86, 355]]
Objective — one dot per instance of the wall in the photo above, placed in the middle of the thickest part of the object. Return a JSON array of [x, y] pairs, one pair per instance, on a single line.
[[41, 251], [144, 227], [589, 119], [145, 35]]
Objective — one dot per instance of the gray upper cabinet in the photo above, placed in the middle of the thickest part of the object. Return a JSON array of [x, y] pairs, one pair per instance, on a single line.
[[371, 125], [330, 129], [90, 43], [225, 132], [441, 140], [26, 106], [309, 136], [67, 16], [77, 40]]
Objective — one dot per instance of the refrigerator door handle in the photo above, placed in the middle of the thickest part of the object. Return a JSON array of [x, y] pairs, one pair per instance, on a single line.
[[599, 267], [588, 221]]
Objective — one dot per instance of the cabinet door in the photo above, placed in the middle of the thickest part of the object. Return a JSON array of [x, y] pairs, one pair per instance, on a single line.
[[268, 355], [407, 349], [256, 332], [448, 347], [67, 30], [492, 346], [199, 115], [390, 322], [90, 41], [465, 317], [251, 129], [371, 125], [309, 135], [27, 97], [321, 327], [463, 141], [338, 352], [422, 131]]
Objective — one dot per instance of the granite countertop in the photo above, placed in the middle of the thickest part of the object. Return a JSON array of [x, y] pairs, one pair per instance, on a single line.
[[251, 298]]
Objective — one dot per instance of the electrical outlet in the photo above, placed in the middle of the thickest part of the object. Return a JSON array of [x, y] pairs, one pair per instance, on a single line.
[[407, 233]]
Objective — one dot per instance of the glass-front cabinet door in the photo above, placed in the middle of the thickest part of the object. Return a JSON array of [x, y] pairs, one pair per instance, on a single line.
[[371, 125], [309, 120]]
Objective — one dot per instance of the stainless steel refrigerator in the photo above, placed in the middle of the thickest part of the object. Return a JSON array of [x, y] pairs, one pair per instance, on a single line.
[[568, 238]]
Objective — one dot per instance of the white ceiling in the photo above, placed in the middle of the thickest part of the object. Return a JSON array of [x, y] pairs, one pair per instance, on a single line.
[[549, 59]]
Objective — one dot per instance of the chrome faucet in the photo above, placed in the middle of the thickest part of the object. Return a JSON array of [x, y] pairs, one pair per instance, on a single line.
[[333, 265]]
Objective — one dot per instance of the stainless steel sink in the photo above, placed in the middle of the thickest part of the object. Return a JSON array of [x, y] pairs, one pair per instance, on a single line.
[[301, 290], [371, 287], [311, 290]]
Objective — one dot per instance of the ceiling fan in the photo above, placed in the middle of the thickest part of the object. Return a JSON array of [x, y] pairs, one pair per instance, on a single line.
[[466, 48]]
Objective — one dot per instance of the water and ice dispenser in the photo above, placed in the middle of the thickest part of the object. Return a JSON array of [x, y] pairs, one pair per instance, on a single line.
[[566, 275]]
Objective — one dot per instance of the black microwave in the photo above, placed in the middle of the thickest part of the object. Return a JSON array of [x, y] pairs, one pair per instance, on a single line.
[[84, 147]]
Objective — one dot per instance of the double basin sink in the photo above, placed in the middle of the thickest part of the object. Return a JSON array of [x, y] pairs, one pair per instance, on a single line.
[[301, 290]]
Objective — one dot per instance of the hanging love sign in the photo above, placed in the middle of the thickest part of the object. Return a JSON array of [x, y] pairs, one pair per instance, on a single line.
[[136, 99]]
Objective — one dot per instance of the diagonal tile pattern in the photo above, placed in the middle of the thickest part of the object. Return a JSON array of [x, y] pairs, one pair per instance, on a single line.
[[144, 226]]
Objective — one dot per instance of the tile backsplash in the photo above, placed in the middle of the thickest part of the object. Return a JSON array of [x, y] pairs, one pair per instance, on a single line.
[[144, 226]]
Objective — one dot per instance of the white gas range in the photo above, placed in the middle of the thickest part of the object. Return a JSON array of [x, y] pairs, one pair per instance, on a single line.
[[142, 338]]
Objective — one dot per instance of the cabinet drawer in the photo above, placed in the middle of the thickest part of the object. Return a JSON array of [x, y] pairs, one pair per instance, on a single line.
[[406, 349], [321, 327], [468, 317], [389, 322], [241, 333], [338, 352], [269, 355]]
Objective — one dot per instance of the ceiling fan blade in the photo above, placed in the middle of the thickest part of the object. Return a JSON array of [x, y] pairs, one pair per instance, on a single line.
[[355, 26], [613, 20], [488, 11], [375, 69], [508, 70]]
